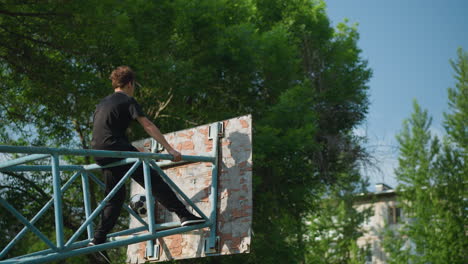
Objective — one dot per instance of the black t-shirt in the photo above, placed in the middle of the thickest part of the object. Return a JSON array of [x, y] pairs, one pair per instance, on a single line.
[[112, 117]]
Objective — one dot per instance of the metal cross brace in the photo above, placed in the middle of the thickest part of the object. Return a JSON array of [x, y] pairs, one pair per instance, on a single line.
[[70, 248]]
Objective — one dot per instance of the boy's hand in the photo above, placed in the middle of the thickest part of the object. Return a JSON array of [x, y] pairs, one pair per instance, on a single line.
[[176, 156]]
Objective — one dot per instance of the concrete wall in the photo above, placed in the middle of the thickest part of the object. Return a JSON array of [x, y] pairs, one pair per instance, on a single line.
[[373, 229]]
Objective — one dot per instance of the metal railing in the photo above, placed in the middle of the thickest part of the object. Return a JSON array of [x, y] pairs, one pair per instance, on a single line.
[[62, 248]]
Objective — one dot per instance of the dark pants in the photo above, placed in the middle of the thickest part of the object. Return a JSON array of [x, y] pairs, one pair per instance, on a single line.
[[165, 196]]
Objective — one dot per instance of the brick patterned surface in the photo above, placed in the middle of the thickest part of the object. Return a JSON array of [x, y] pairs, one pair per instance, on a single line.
[[234, 191]]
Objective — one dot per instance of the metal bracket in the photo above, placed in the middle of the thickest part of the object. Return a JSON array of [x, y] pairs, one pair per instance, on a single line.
[[156, 147], [213, 127], [156, 252], [213, 248]]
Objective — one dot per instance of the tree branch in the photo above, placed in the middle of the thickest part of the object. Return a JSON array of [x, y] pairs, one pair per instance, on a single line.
[[28, 38], [19, 189], [154, 112], [78, 130], [28, 181], [165, 104]]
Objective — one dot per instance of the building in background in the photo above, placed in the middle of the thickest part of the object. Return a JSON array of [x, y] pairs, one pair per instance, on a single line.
[[386, 214]]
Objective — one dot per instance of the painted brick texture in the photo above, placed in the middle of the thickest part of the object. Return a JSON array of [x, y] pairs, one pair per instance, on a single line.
[[234, 191]]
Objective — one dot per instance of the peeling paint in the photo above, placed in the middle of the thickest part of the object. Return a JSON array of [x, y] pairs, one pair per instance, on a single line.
[[234, 197]]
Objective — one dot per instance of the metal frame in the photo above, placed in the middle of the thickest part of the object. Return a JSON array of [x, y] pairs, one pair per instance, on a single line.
[[62, 248]]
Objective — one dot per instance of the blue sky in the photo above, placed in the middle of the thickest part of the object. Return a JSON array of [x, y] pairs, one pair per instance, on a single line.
[[408, 44]]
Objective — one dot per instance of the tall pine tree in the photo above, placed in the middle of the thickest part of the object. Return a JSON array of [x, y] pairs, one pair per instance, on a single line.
[[433, 181]]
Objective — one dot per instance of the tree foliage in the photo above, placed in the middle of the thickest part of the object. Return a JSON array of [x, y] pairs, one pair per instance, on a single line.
[[202, 61], [335, 228], [433, 178]]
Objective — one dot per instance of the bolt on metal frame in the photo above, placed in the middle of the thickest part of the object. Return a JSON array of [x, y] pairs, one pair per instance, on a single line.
[[62, 248]]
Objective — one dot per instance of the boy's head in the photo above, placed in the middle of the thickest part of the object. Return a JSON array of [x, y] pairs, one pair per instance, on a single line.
[[121, 76]]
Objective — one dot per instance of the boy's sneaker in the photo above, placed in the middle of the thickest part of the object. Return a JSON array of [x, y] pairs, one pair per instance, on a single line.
[[100, 254], [190, 220]]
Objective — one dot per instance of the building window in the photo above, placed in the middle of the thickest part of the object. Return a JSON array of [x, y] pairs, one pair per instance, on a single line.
[[394, 214]]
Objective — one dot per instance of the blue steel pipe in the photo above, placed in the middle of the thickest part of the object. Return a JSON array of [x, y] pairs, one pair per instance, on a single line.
[[27, 223], [127, 232], [36, 217], [99, 153], [86, 167], [149, 197], [214, 192], [111, 237], [37, 259], [103, 203], [125, 235], [114, 164], [57, 202], [159, 227], [23, 160], [42, 168], [87, 201], [45, 252], [125, 206], [68, 167], [56, 168], [149, 248]]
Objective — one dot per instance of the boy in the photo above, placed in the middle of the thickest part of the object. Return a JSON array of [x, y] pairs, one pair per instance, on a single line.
[[112, 117]]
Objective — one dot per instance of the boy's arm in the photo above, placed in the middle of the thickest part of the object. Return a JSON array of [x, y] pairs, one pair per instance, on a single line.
[[154, 132]]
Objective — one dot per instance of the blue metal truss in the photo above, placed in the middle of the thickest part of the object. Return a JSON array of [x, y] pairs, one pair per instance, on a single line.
[[62, 248]]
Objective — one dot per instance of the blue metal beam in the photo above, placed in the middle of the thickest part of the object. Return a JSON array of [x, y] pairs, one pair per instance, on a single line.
[[126, 237], [27, 223], [125, 206], [149, 197], [36, 217], [47, 256], [89, 167], [103, 203], [87, 201], [214, 191], [57, 201], [99, 153], [23, 160], [42, 168]]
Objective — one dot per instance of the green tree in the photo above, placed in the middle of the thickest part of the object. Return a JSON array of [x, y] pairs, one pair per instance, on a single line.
[[455, 121], [202, 61], [433, 178], [334, 230], [49, 67]]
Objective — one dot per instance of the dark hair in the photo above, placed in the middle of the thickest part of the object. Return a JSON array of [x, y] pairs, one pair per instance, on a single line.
[[121, 76]]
